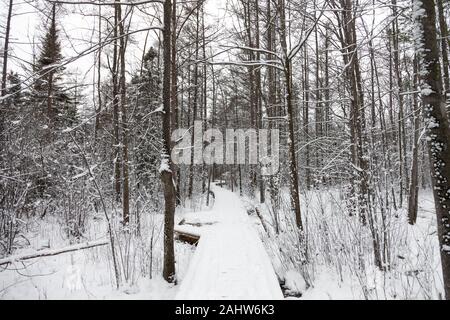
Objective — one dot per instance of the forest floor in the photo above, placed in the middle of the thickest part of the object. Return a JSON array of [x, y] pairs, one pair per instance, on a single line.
[[236, 258], [230, 262]]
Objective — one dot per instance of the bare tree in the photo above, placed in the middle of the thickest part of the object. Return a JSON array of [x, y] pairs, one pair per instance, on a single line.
[[6, 48], [166, 172], [287, 69]]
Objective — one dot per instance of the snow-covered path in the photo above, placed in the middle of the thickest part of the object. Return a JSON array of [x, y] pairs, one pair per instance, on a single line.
[[230, 261]]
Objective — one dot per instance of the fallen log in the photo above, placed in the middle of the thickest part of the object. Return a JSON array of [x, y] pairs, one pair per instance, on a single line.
[[53, 252], [187, 237]]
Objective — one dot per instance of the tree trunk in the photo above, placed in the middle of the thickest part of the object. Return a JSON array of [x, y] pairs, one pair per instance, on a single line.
[[4, 75], [438, 130], [327, 85], [50, 110], [123, 107], [306, 118], [115, 102], [99, 78], [258, 98], [252, 83], [6, 48], [271, 108], [293, 172], [165, 169], [414, 180], [401, 118], [204, 96], [174, 96], [445, 46], [318, 106], [357, 119], [195, 107]]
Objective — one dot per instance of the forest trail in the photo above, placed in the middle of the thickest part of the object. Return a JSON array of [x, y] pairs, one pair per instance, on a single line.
[[230, 261]]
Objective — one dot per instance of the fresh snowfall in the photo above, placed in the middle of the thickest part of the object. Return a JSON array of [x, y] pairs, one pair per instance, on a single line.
[[225, 150]]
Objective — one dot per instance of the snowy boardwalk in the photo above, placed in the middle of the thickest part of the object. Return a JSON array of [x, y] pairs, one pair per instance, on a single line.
[[230, 261]]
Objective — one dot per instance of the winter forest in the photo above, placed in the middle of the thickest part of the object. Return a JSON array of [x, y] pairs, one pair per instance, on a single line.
[[225, 149]]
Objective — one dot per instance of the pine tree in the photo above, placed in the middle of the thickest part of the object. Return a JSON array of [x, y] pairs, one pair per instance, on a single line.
[[54, 110], [14, 90], [50, 97], [145, 95]]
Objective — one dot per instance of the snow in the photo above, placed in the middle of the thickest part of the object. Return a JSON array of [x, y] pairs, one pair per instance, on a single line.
[[84, 173], [294, 282], [230, 261], [88, 273], [432, 123], [164, 165], [426, 91], [50, 252], [159, 109], [333, 270], [328, 287]]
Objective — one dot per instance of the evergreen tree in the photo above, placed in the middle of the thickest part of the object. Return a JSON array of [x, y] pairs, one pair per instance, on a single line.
[[54, 109], [16, 97], [50, 96], [145, 94]]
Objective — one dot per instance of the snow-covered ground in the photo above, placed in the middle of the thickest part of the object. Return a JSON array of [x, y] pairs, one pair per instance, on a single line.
[[88, 274], [340, 252], [230, 260]]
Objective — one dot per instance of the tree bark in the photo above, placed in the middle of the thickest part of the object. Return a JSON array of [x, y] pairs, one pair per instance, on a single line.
[[414, 179], [271, 108], [357, 119], [258, 97], [401, 118], [123, 107], [174, 97], [6, 48], [293, 172], [306, 118], [115, 102], [195, 106], [438, 130], [165, 170], [445, 46], [4, 76], [99, 81], [318, 105]]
